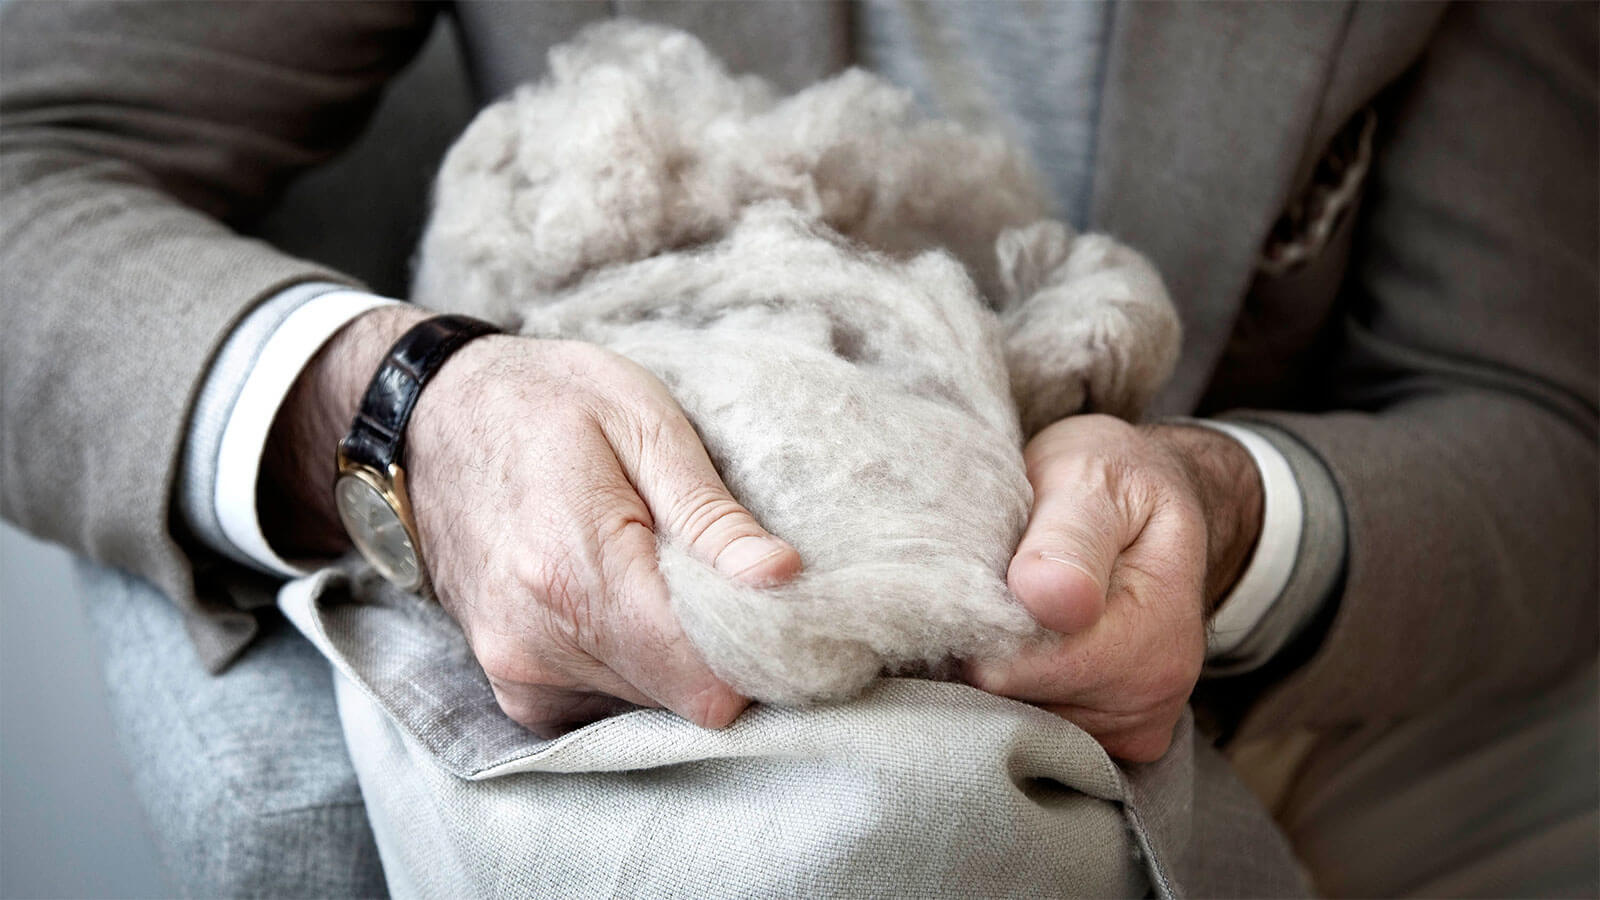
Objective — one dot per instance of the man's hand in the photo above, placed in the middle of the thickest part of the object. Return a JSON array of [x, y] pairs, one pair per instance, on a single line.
[[539, 473], [1135, 535]]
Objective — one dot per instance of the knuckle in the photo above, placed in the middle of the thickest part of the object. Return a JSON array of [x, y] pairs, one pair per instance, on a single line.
[[625, 534], [566, 425], [644, 418], [512, 704], [549, 712], [527, 710], [714, 706], [658, 418], [509, 662]]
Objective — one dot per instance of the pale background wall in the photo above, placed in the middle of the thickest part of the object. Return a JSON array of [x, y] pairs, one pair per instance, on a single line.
[[69, 825]]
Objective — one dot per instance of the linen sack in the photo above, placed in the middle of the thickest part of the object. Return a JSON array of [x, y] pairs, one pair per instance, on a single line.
[[912, 789]]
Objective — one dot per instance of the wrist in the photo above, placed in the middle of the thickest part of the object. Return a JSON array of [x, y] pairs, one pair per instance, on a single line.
[[1228, 487], [295, 490]]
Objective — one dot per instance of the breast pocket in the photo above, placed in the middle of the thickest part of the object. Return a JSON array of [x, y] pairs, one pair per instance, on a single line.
[[1307, 228], [1284, 335]]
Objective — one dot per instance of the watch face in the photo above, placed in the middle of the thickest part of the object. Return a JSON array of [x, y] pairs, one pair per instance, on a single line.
[[377, 531]]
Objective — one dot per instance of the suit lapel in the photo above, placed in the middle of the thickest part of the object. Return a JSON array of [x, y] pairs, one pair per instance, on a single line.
[[1205, 114]]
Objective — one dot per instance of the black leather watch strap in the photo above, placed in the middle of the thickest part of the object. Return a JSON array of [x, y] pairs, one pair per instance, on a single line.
[[377, 437]]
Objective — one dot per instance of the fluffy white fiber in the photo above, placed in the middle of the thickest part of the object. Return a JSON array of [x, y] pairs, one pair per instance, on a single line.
[[863, 311]]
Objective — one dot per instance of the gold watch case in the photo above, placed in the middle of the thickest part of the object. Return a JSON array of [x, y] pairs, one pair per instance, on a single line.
[[376, 513]]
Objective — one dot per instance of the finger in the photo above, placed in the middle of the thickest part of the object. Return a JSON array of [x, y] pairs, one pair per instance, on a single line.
[[531, 670], [1145, 650], [1135, 737], [1132, 654], [1068, 678], [1041, 671], [1063, 590], [550, 712], [688, 501], [1078, 527], [639, 637]]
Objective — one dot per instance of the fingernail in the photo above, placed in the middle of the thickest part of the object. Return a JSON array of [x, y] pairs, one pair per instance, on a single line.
[[1070, 561], [747, 553]]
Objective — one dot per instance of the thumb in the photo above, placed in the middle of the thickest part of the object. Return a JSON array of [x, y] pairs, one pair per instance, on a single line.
[[688, 501], [1062, 568]]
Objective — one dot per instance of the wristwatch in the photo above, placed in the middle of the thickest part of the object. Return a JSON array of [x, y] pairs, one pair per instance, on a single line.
[[370, 487]]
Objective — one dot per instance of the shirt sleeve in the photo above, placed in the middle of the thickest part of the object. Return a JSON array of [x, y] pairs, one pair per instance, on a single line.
[[1298, 559], [233, 413]]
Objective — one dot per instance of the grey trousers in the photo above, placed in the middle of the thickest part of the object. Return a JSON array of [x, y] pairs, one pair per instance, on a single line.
[[244, 776], [251, 792]]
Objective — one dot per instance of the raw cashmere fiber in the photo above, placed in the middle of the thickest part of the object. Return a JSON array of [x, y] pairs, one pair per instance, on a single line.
[[862, 310]]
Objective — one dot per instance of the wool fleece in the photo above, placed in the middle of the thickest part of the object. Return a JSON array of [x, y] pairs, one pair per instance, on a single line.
[[864, 311]]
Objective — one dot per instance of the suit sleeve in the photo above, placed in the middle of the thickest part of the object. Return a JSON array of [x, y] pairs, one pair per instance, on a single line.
[[133, 138], [1464, 448]]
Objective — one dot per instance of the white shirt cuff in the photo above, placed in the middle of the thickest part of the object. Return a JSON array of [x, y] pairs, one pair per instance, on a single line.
[[1273, 561], [286, 352]]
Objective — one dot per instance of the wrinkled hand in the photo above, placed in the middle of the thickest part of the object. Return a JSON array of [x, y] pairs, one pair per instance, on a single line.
[[1136, 533], [539, 473]]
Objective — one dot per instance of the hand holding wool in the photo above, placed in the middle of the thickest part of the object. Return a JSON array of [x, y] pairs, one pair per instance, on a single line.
[[541, 474], [1135, 535]]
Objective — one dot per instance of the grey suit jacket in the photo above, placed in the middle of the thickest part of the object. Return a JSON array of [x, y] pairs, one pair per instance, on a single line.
[[1439, 354]]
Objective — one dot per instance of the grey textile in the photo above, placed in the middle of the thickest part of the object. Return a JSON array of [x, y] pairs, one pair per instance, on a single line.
[[1499, 801], [1465, 451], [244, 775], [269, 811], [1031, 70], [915, 788], [1318, 563]]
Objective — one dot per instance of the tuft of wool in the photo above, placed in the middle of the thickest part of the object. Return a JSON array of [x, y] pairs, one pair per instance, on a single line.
[[863, 311]]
